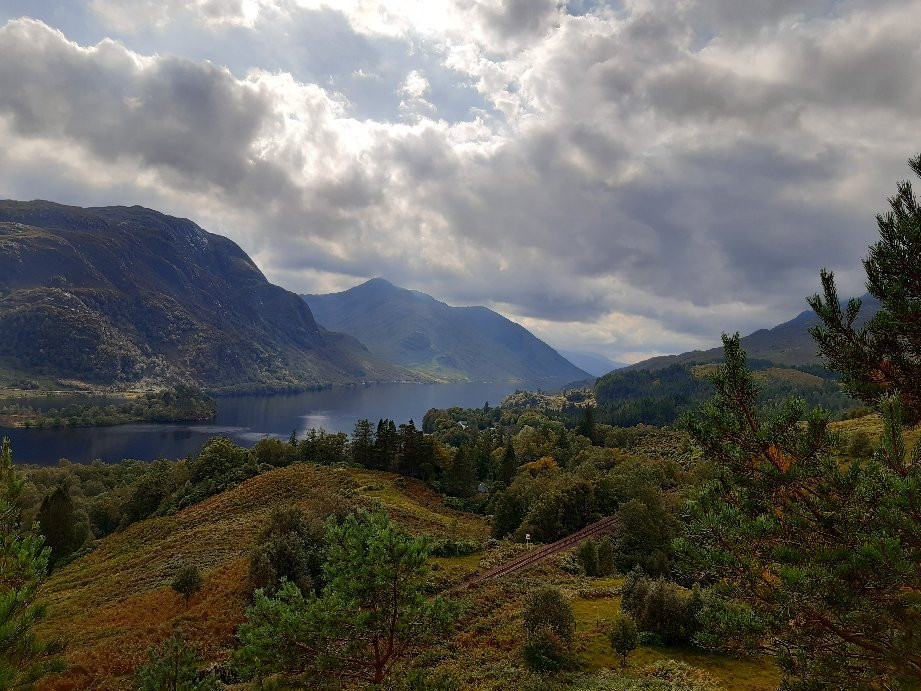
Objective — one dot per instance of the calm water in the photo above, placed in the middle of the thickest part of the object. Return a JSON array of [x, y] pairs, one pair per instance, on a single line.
[[246, 419]]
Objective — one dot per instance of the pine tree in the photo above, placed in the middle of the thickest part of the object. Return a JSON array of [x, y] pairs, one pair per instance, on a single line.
[[509, 466], [372, 613], [59, 523], [460, 480], [174, 667], [362, 445], [884, 354], [23, 565], [817, 561]]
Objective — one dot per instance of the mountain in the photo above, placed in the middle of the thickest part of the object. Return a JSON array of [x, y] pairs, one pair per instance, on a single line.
[[787, 344], [118, 296], [595, 364], [417, 331]]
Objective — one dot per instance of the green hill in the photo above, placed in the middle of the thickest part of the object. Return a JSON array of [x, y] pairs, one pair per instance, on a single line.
[[417, 331]]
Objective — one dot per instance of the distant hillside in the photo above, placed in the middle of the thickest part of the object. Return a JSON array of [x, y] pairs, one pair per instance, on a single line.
[[417, 331], [117, 295], [595, 364], [788, 344]]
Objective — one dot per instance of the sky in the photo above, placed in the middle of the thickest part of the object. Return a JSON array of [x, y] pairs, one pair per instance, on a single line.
[[630, 177]]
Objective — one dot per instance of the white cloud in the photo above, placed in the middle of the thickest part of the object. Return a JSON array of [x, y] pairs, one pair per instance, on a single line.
[[635, 181]]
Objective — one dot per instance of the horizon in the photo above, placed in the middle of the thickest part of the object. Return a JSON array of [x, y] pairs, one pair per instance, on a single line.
[[616, 179]]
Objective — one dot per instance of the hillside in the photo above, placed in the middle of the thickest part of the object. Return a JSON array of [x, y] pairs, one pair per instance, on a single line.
[[417, 331], [788, 344], [114, 604], [113, 296]]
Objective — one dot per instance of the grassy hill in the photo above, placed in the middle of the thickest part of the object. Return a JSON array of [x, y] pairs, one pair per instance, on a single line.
[[119, 296], [420, 333], [115, 603]]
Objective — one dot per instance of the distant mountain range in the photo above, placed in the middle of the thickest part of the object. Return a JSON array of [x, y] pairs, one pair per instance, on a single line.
[[595, 364], [418, 332], [115, 295], [788, 344]]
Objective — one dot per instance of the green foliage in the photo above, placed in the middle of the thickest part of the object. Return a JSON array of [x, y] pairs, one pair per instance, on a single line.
[[187, 582], [290, 548], [24, 658], [882, 355], [64, 530], [174, 667], [371, 613], [179, 404], [661, 608], [544, 651], [623, 636], [630, 397], [818, 560], [461, 478], [647, 529], [454, 548], [548, 607]]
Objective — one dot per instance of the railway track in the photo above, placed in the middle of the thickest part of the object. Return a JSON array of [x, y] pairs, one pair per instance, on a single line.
[[539, 554]]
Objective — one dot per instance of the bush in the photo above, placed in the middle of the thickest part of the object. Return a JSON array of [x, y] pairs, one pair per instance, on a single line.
[[289, 548], [547, 608], [662, 608], [454, 548], [174, 666], [623, 636], [187, 582], [544, 651]]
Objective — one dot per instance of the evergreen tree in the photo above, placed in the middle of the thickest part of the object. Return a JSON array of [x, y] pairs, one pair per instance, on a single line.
[[586, 425], [174, 667], [509, 466], [460, 480], [816, 560], [58, 521], [362, 445], [23, 565], [386, 445], [884, 354], [372, 613]]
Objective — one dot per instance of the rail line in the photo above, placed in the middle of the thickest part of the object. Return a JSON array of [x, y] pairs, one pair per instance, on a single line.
[[534, 556]]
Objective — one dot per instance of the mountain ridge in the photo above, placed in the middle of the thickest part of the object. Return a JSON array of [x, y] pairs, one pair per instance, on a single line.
[[788, 344], [117, 296], [430, 337]]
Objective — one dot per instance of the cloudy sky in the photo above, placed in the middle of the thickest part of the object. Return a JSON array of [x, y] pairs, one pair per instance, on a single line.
[[629, 177]]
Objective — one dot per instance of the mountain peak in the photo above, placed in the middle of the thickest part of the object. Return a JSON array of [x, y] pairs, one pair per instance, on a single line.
[[417, 331]]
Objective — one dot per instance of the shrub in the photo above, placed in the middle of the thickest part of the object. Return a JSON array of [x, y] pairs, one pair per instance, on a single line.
[[543, 650], [174, 667], [546, 607], [623, 637], [453, 548], [187, 582], [288, 548], [662, 608]]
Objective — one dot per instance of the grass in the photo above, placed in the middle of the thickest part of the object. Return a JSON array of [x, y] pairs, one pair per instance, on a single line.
[[114, 604]]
